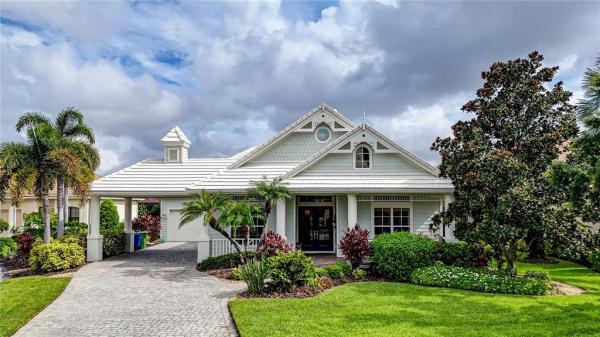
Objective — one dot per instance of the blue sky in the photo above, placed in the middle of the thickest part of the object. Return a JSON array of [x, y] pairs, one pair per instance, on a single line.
[[231, 74]]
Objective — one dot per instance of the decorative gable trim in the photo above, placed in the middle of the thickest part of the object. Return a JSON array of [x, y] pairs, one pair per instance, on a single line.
[[306, 123], [362, 134]]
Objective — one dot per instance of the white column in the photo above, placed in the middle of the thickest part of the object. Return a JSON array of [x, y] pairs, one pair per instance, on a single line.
[[352, 210], [129, 241], [280, 218], [12, 217], [94, 239]]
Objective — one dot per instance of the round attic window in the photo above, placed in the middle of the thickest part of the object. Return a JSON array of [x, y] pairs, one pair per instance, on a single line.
[[323, 134]]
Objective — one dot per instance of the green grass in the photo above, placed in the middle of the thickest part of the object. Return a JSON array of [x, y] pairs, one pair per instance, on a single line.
[[397, 309], [23, 297]]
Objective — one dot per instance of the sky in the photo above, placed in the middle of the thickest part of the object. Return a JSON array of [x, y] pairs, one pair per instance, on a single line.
[[231, 74]]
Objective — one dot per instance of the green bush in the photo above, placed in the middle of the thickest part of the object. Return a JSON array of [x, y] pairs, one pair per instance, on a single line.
[[462, 254], [254, 273], [359, 274], [321, 272], [594, 259], [224, 261], [113, 242], [338, 270], [56, 256], [8, 247], [34, 223], [236, 274], [291, 269], [3, 225], [538, 275], [397, 255], [483, 280], [109, 216]]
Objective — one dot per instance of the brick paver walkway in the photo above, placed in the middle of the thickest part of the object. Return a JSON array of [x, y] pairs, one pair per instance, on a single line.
[[153, 292]]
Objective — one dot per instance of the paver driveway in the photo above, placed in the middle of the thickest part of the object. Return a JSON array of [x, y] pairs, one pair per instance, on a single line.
[[153, 292]]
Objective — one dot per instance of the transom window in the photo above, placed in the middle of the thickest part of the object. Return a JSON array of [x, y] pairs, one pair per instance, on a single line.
[[362, 157], [323, 134], [256, 232], [391, 219]]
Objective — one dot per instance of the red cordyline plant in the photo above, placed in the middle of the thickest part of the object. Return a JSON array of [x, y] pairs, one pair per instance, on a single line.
[[149, 223], [272, 244], [355, 245], [25, 241]]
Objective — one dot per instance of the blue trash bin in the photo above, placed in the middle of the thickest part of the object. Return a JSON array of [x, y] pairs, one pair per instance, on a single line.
[[137, 241]]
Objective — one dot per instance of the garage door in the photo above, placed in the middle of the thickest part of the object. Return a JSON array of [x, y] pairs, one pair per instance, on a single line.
[[189, 232]]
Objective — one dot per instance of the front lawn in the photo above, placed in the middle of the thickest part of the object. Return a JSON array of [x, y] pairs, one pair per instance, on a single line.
[[398, 309], [23, 297]]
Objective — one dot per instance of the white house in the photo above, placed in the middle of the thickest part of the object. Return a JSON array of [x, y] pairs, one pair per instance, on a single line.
[[340, 174]]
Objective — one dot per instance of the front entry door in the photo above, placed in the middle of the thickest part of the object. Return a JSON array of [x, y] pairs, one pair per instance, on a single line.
[[315, 224]]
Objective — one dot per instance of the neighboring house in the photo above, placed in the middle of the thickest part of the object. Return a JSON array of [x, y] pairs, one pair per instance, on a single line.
[[340, 174], [77, 211]]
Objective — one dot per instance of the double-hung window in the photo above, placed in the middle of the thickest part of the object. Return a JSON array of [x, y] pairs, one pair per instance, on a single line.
[[391, 219]]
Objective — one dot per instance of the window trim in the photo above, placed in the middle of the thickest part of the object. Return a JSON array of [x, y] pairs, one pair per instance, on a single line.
[[78, 214], [169, 154], [391, 206], [362, 145], [317, 133]]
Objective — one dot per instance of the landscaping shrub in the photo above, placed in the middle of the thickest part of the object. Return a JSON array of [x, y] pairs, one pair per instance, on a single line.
[[594, 259], [359, 274], [254, 273], [236, 274], [56, 256], [397, 255], [537, 274], [113, 242], [291, 269], [321, 272], [34, 223], [109, 216], [25, 241], [271, 243], [224, 261], [462, 254], [338, 270], [3, 225], [8, 247], [355, 245], [149, 223], [479, 279]]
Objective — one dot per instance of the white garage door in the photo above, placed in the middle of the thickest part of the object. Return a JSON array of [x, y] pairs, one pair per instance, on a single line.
[[189, 232]]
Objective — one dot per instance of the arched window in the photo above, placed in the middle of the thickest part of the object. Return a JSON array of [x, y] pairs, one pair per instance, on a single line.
[[362, 158]]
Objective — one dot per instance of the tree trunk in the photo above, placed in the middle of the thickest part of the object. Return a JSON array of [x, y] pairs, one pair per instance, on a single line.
[[535, 241], [46, 211], [267, 209], [511, 259], [65, 202], [60, 226], [213, 225]]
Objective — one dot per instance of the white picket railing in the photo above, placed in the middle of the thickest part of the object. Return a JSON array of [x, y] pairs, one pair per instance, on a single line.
[[223, 246]]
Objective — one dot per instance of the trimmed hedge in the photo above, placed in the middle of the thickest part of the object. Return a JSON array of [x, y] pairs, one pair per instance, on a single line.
[[462, 254], [56, 256], [483, 280], [289, 270], [224, 261], [113, 242], [337, 270], [397, 255]]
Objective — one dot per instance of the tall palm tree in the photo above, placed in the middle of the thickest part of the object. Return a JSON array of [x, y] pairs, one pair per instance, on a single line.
[[271, 192], [70, 126], [208, 206], [590, 104], [241, 216], [33, 166]]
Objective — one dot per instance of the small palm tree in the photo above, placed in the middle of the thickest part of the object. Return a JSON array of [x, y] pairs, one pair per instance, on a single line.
[[240, 216], [207, 206], [80, 137], [590, 104], [271, 192]]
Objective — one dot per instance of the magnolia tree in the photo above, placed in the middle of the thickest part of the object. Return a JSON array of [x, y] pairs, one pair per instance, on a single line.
[[497, 159]]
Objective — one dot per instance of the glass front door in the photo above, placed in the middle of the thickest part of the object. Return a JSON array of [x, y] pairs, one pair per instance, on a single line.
[[315, 226]]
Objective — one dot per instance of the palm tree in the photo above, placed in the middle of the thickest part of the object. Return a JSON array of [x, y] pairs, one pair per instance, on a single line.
[[241, 216], [271, 192], [33, 166], [590, 104], [207, 206], [70, 126]]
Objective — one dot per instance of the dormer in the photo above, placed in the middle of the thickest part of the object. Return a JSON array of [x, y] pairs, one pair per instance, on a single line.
[[176, 146]]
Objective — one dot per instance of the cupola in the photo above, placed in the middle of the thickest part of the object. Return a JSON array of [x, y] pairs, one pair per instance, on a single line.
[[176, 146]]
